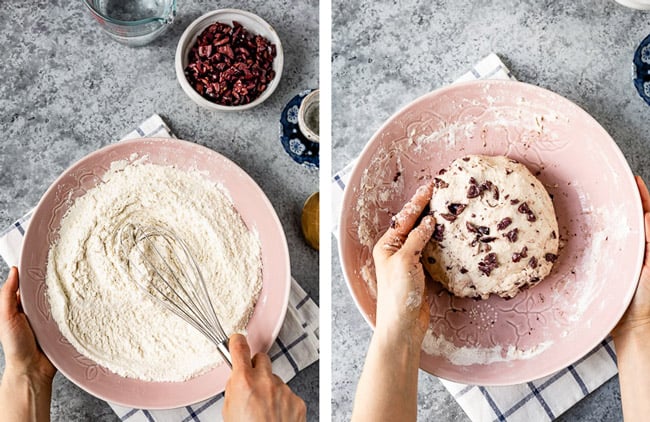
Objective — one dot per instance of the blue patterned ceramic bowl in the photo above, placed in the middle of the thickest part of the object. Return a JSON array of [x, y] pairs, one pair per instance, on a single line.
[[301, 149], [642, 69]]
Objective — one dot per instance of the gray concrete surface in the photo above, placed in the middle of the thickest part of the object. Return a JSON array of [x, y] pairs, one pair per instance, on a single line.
[[387, 53], [66, 89]]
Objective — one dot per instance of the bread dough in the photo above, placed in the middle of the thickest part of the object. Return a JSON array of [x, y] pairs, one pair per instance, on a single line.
[[496, 230]]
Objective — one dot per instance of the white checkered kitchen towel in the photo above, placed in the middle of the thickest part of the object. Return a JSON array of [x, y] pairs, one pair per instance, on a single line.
[[540, 400], [295, 348]]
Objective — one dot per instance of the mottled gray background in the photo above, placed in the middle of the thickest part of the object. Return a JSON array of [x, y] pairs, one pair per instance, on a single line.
[[387, 53], [66, 89]]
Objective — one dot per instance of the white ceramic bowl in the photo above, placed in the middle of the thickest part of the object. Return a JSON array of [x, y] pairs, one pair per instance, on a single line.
[[310, 105], [253, 24], [635, 4]]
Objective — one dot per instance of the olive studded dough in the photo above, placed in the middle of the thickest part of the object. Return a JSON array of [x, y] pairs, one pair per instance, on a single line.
[[496, 230]]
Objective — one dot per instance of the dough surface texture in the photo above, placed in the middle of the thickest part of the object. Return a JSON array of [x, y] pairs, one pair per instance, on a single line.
[[496, 229]]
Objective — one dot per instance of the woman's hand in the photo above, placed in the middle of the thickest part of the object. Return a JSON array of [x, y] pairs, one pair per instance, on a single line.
[[636, 320], [632, 335], [254, 393], [22, 355], [401, 295], [26, 388], [402, 318]]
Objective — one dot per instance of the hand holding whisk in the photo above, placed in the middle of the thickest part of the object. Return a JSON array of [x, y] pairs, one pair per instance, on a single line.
[[170, 275]]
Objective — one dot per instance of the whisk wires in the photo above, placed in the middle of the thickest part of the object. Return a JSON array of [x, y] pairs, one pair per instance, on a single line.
[[171, 276]]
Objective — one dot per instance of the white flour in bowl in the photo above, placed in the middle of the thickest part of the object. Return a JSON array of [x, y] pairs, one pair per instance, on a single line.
[[102, 312]]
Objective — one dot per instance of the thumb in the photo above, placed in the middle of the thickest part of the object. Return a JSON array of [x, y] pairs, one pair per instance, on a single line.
[[240, 352], [8, 301], [418, 237]]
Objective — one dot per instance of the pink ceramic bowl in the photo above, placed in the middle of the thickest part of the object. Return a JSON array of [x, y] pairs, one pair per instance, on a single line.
[[545, 328], [256, 211]]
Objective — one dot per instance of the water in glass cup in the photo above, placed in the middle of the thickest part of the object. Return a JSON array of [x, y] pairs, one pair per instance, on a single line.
[[132, 10]]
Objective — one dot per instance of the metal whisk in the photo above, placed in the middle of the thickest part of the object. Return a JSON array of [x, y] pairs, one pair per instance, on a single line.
[[170, 275]]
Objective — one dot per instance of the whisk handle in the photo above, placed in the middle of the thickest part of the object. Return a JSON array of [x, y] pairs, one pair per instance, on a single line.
[[222, 348]]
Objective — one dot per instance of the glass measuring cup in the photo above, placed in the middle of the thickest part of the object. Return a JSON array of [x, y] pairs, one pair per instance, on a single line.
[[133, 22]]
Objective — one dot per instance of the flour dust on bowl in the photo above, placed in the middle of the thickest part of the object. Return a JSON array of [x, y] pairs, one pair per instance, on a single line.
[[546, 327], [80, 321]]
